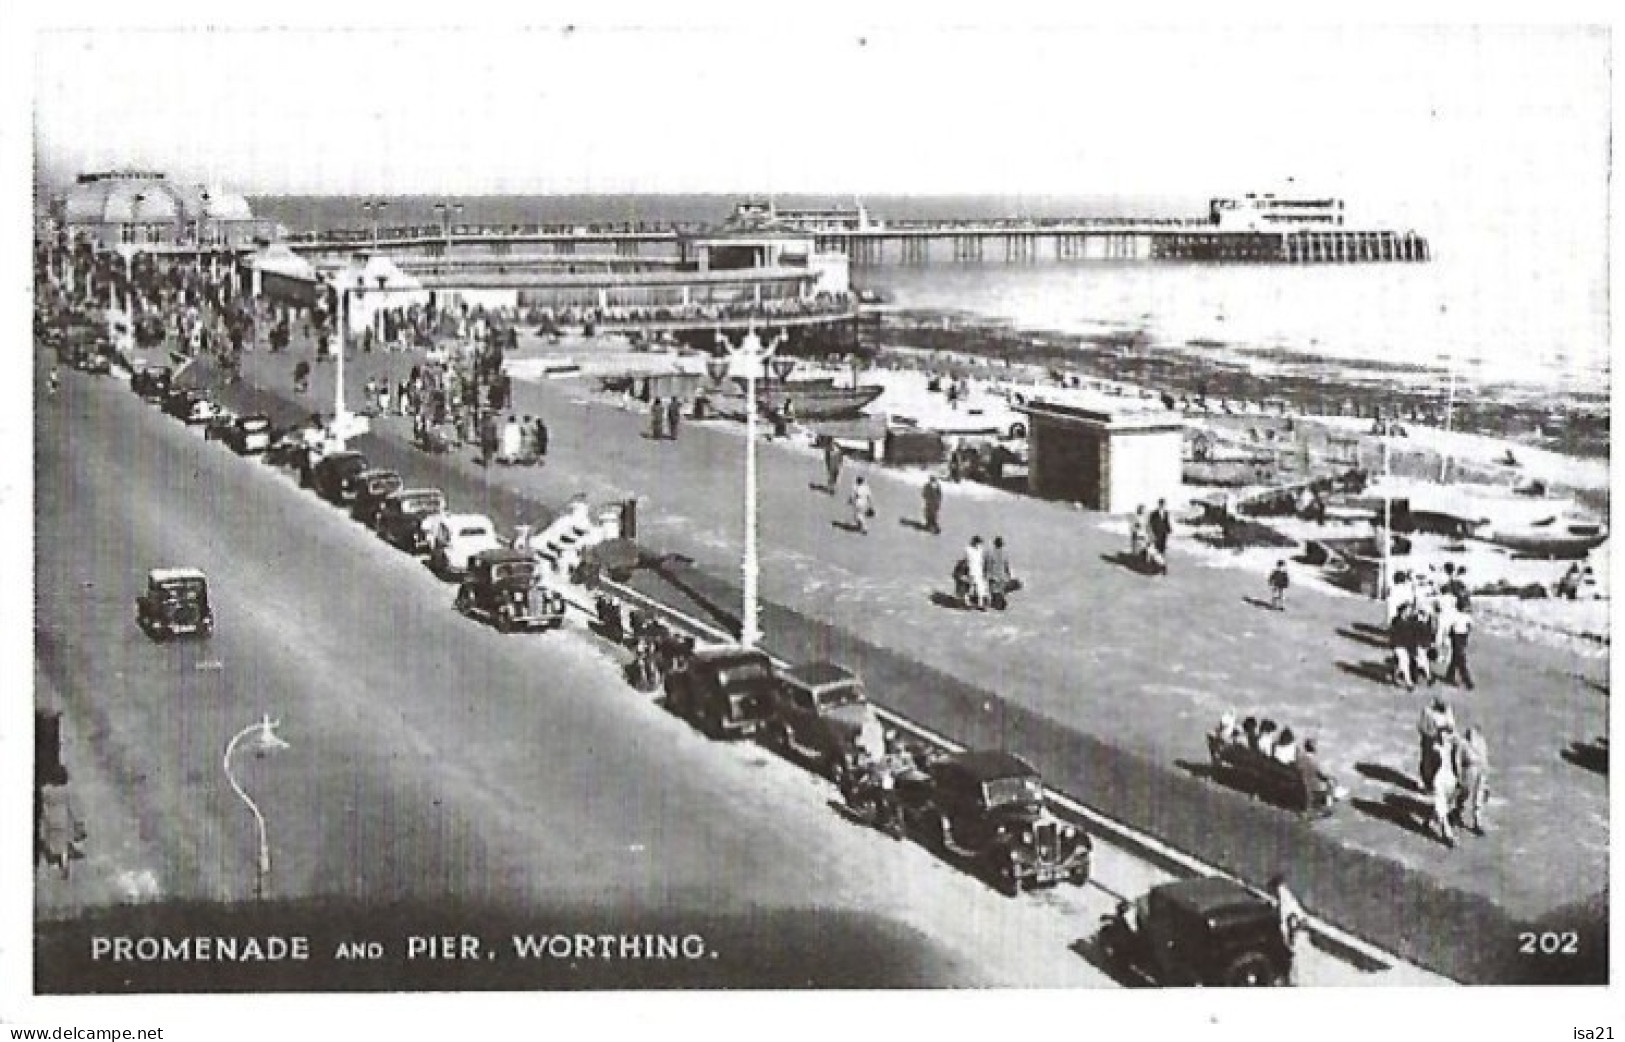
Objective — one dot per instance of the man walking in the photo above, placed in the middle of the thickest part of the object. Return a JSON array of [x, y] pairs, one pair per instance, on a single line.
[[863, 506], [833, 458], [931, 496], [998, 574], [1436, 721], [657, 420], [1461, 627], [976, 574], [674, 415], [1162, 527], [1472, 780], [1293, 923]]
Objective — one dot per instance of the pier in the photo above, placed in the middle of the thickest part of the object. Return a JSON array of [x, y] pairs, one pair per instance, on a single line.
[[912, 243]]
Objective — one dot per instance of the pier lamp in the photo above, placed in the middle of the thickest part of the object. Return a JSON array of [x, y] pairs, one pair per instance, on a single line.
[[374, 208], [446, 211], [783, 366], [752, 355], [262, 739]]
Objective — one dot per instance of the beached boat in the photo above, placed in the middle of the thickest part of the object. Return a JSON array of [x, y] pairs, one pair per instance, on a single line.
[[809, 399], [1553, 537]]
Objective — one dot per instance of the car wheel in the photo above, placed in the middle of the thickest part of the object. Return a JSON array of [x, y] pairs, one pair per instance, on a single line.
[[1253, 970], [1079, 876]]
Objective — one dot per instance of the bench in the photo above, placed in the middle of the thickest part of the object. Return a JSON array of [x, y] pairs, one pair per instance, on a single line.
[[1268, 778]]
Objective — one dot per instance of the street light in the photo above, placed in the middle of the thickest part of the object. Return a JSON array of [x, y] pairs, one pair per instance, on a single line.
[[752, 355], [374, 208], [264, 740], [446, 210]]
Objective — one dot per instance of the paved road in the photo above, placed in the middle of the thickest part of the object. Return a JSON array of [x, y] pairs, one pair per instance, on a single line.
[[432, 759]]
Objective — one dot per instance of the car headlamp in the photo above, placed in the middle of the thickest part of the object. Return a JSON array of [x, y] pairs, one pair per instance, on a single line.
[[1027, 835]]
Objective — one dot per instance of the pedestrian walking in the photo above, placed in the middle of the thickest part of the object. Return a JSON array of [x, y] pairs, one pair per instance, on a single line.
[[53, 381], [931, 498], [1444, 787], [1279, 581], [1460, 628], [1162, 527], [1293, 922], [61, 832], [1437, 719], [975, 574], [301, 376], [1473, 780], [488, 438], [833, 459], [674, 415], [657, 420], [999, 579], [541, 439], [863, 505]]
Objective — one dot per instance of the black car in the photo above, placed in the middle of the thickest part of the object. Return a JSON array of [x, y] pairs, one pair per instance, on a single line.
[[152, 383], [249, 435], [1204, 931], [504, 588], [372, 487], [727, 691], [400, 518], [90, 357], [189, 405], [175, 603], [332, 474], [986, 809]]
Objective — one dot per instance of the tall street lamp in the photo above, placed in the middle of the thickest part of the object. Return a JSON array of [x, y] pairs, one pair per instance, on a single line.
[[752, 355], [262, 739], [446, 211], [374, 208]]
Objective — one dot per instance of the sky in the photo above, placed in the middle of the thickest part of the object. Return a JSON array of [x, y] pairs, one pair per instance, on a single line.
[[1393, 117]]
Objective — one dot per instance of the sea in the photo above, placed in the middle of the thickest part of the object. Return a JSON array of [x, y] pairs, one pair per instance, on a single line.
[[1512, 299]]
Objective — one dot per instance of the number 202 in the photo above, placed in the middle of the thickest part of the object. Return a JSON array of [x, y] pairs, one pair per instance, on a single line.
[[1549, 943]]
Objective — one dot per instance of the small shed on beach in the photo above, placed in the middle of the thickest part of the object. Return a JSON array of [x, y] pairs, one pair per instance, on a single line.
[[280, 275], [1101, 454]]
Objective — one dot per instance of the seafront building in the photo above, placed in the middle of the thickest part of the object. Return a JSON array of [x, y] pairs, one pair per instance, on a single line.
[[149, 212]]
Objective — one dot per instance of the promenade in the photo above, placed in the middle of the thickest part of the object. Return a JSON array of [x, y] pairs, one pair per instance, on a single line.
[[1105, 678]]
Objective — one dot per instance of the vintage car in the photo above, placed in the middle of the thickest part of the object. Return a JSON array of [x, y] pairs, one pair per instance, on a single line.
[[89, 357], [176, 602], [220, 425], [151, 382], [249, 435], [819, 711], [986, 810], [504, 588], [1286, 785], [372, 487], [190, 405], [404, 518], [727, 691], [455, 538], [1198, 932], [331, 475]]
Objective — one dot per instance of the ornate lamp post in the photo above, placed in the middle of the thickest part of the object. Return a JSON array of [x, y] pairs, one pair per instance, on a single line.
[[752, 355], [263, 739], [374, 208]]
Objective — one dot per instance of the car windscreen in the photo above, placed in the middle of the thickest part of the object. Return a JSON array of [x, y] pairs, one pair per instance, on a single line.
[[516, 570], [420, 505], [189, 592], [472, 531], [1016, 789], [844, 695], [742, 673], [255, 424]]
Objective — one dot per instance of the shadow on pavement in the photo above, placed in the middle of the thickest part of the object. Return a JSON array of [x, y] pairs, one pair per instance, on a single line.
[[1376, 672], [1408, 812], [1592, 756], [1381, 772], [1362, 635], [1257, 602], [1087, 949], [1133, 562]]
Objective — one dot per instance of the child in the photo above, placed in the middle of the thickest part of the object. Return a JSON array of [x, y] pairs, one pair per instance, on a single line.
[[1279, 581]]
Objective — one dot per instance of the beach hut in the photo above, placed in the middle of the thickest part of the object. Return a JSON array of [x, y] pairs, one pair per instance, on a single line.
[[1101, 454]]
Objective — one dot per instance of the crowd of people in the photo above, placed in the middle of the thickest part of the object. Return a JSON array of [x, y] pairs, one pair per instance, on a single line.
[[1429, 625], [1454, 771]]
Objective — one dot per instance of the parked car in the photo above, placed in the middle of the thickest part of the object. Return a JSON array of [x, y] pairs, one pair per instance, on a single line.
[[819, 712], [454, 538], [986, 810], [249, 435], [175, 602], [191, 406], [727, 691], [152, 382], [372, 487], [504, 588], [1203, 931], [219, 427], [90, 357], [331, 475], [405, 517]]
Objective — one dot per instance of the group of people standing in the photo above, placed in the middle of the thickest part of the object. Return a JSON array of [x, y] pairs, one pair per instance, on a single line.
[[665, 417], [1429, 624], [1454, 771], [982, 578]]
